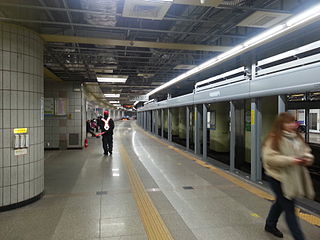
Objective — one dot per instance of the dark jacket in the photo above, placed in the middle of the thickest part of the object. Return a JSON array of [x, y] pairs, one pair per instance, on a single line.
[[111, 126], [88, 127]]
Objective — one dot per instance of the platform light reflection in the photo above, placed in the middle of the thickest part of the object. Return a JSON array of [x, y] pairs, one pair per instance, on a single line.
[[145, 154]]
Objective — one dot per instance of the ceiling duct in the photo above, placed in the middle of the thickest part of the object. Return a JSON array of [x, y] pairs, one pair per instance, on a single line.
[[108, 7], [262, 19], [146, 9]]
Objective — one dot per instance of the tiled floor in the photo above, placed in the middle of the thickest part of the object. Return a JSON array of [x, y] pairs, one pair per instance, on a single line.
[[72, 209]]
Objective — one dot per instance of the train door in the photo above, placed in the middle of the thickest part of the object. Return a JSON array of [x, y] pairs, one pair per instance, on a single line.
[[218, 131], [243, 135]]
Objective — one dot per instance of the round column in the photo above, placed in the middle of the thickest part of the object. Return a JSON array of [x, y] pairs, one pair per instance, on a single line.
[[21, 105]]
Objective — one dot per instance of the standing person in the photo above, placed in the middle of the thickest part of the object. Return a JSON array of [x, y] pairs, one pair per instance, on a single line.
[[89, 129], [93, 124], [107, 126], [285, 155], [97, 125]]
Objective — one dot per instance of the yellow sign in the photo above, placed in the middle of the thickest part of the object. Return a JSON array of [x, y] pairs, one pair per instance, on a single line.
[[20, 130], [252, 117]]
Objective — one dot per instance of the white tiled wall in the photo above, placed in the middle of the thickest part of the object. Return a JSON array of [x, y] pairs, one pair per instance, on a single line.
[[21, 88], [57, 128]]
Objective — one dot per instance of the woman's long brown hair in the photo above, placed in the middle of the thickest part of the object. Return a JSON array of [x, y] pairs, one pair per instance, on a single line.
[[275, 134]]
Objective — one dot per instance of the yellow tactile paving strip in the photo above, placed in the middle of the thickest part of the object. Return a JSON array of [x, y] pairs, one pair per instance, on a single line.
[[151, 219], [312, 219]]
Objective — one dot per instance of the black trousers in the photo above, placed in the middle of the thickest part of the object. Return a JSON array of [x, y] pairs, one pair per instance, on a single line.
[[107, 142], [283, 204]]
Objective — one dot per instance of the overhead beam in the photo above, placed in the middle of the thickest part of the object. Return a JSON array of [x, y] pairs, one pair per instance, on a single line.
[[47, 73], [128, 43], [115, 28]]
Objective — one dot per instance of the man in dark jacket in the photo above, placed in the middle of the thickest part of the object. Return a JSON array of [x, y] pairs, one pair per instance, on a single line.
[[107, 126]]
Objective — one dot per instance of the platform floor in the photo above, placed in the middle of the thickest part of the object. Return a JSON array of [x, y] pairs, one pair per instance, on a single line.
[[90, 196]]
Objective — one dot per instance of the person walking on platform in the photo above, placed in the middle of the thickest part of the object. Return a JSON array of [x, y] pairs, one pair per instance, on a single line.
[[107, 126], [285, 157]]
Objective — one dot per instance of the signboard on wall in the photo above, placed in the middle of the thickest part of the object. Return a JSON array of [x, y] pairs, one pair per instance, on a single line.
[[49, 106], [141, 98], [61, 106]]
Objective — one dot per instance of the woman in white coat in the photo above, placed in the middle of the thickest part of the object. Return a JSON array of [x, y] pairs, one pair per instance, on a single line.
[[285, 155]]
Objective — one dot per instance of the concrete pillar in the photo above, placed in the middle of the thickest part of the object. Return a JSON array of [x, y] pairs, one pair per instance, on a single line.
[[188, 127], [169, 124], [159, 122], [232, 136], [281, 103], [204, 131], [21, 106], [256, 168], [182, 122], [247, 131], [197, 129], [162, 122]]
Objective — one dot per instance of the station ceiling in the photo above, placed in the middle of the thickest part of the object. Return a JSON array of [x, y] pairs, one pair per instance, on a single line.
[[150, 41]]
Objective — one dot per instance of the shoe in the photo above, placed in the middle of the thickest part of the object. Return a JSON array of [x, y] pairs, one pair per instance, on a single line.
[[110, 152], [273, 230], [106, 154]]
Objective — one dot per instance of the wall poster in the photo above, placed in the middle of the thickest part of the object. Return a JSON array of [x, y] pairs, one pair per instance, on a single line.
[[49, 106], [61, 106]]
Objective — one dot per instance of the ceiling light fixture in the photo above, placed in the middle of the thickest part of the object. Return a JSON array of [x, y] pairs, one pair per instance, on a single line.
[[114, 101], [112, 95], [112, 79], [292, 24]]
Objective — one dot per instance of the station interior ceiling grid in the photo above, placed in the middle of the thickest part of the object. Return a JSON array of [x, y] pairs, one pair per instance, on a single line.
[[150, 36]]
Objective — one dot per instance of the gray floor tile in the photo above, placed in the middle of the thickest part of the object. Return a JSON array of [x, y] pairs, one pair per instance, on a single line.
[[113, 227]]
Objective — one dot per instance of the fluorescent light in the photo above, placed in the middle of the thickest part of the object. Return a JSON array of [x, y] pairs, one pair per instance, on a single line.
[[305, 16], [112, 79], [112, 95], [114, 101], [135, 103], [184, 66], [230, 52], [279, 30]]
